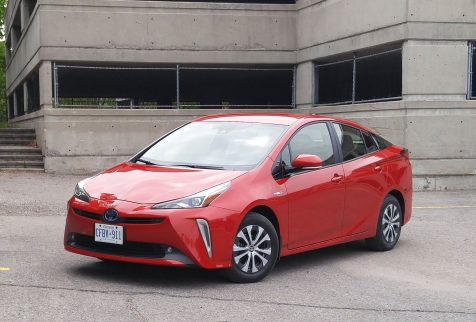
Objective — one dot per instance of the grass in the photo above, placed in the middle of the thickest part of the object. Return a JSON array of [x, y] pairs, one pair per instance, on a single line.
[[4, 124]]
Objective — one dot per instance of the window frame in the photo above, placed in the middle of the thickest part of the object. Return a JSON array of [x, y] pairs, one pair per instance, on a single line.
[[335, 149], [336, 146], [361, 131]]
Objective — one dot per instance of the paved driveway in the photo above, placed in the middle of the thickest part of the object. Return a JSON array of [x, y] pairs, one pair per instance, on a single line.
[[430, 275]]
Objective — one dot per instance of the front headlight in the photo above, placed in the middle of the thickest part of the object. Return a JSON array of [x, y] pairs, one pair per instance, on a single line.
[[79, 191], [198, 200]]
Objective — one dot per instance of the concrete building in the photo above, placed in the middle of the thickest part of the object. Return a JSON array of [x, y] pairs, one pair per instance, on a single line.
[[99, 79]]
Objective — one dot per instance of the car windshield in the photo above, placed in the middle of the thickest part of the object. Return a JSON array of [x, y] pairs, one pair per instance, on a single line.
[[215, 145]]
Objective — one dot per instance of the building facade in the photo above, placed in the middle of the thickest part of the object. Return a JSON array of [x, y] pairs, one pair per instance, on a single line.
[[99, 79]]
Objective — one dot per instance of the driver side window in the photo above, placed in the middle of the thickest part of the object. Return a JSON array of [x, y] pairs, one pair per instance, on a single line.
[[312, 139]]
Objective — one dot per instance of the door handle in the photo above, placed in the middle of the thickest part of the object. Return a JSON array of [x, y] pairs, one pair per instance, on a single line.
[[337, 178], [378, 168]]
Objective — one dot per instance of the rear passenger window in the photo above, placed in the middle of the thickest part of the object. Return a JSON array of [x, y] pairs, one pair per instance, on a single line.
[[313, 139], [351, 141], [370, 143], [382, 143]]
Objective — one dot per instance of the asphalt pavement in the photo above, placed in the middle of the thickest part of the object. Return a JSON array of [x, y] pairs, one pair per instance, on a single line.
[[430, 275]]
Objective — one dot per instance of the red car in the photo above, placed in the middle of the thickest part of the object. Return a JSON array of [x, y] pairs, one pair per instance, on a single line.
[[236, 192]]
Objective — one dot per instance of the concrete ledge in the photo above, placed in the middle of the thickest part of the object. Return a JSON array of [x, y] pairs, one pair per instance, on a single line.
[[82, 164], [442, 183]]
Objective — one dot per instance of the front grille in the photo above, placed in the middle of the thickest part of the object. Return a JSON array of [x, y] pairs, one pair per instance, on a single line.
[[124, 220], [131, 249]]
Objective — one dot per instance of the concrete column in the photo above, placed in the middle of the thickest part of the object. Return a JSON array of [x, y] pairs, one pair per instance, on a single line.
[[15, 104], [24, 13], [304, 85], [46, 84], [25, 97], [435, 70]]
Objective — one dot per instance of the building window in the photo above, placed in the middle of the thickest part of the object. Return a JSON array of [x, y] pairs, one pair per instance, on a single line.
[[20, 100], [33, 94], [472, 66], [11, 106], [360, 79], [213, 87]]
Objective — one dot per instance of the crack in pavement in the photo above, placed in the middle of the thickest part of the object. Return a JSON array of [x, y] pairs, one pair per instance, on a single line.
[[135, 309], [135, 293]]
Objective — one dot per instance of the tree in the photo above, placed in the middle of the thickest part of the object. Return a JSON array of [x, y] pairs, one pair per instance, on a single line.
[[3, 99]]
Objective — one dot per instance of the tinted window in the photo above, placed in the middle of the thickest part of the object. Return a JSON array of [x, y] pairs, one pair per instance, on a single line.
[[370, 143], [382, 143], [351, 141], [313, 139]]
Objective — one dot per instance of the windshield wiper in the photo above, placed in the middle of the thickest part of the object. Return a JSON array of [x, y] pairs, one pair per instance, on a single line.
[[146, 162], [197, 166]]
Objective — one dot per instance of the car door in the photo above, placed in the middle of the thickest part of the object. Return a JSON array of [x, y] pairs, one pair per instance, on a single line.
[[315, 195], [364, 178]]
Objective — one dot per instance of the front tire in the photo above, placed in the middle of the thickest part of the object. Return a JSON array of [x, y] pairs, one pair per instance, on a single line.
[[255, 250], [389, 226]]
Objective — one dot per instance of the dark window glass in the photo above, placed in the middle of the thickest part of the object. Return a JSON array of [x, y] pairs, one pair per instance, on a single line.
[[158, 87], [382, 143], [313, 139], [370, 143], [235, 88], [351, 141], [33, 86], [379, 77], [334, 83], [20, 100], [93, 86], [10, 106]]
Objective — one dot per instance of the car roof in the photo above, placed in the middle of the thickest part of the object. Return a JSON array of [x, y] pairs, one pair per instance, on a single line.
[[277, 118], [267, 118]]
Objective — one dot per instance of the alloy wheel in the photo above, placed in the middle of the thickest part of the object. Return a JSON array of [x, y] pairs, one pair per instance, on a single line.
[[391, 223], [252, 249]]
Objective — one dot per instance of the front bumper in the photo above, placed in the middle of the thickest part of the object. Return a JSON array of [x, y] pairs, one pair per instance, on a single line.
[[158, 237]]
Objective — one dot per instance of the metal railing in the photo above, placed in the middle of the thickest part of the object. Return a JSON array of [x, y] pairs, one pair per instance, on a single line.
[[180, 102], [354, 60]]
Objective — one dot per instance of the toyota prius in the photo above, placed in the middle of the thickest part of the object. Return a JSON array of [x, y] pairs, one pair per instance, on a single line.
[[236, 192]]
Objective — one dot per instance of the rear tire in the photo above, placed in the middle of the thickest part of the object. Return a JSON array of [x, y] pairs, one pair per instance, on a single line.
[[389, 226], [255, 250]]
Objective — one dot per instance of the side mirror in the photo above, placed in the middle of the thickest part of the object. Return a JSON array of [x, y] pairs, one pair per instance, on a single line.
[[307, 161]]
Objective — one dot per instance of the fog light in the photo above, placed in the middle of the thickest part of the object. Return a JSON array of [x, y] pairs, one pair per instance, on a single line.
[[205, 232]]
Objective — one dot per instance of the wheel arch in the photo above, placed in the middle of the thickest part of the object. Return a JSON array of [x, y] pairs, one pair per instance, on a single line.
[[401, 200], [269, 214]]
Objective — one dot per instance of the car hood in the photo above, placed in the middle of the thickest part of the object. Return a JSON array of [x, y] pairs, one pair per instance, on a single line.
[[153, 184]]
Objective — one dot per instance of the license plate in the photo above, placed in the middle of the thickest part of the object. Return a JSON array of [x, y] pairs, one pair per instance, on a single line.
[[109, 234]]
